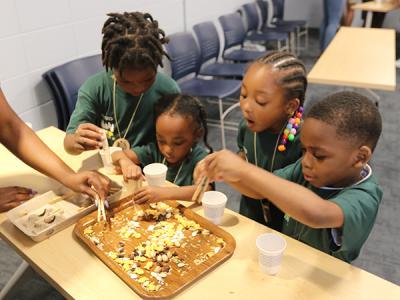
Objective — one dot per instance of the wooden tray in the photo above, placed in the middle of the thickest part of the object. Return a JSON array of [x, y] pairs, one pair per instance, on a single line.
[[199, 254]]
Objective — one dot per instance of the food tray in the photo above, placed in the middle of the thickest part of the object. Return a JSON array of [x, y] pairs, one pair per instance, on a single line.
[[49, 213], [157, 250]]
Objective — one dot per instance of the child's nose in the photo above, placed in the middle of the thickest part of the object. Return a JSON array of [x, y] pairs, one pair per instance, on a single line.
[[306, 161]]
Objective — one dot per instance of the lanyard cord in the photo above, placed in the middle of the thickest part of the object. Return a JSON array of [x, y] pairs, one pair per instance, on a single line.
[[115, 111], [179, 170]]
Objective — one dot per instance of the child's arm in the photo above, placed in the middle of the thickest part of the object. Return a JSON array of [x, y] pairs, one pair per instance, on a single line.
[[155, 194], [295, 200], [128, 162]]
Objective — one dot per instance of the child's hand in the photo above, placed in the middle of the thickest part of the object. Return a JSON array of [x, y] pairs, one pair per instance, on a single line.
[[87, 137], [130, 170], [223, 166], [148, 194]]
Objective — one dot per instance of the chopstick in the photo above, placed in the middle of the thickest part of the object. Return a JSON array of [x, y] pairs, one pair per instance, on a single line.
[[201, 188], [101, 212], [106, 149], [138, 185]]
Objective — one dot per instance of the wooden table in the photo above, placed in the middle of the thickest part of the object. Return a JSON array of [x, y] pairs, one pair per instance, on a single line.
[[375, 6], [77, 273], [358, 57]]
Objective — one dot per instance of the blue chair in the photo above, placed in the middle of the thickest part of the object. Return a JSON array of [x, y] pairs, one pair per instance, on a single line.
[[185, 60], [257, 29], [255, 35], [235, 35], [64, 82], [208, 40], [278, 20]]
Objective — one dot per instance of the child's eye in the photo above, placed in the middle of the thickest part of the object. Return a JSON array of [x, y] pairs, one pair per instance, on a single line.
[[319, 157], [178, 143], [242, 96], [261, 103]]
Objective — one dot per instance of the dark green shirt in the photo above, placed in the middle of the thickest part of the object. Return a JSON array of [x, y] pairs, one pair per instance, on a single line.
[[95, 105], [266, 143], [359, 204], [151, 154]]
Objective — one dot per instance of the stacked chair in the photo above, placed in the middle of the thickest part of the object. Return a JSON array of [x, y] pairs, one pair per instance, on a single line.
[[186, 61]]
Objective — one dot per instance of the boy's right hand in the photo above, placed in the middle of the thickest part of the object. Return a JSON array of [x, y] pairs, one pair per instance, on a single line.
[[13, 196], [87, 137], [130, 170]]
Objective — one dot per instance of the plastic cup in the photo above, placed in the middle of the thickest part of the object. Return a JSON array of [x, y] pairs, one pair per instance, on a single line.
[[107, 162], [271, 247], [213, 203], [155, 174]]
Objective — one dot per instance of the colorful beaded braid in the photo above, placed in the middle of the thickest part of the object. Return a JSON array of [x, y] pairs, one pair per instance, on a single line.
[[291, 129]]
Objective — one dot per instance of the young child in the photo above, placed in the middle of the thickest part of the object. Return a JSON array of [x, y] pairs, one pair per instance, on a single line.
[[330, 196], [121, 98], [271, 99], [180, 122]]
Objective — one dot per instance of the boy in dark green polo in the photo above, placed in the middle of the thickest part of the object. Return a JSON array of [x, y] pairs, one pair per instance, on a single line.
[[120, 100], [330, 196]]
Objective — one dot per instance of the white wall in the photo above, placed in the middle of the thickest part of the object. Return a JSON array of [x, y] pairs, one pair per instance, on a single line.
[[37, 35]]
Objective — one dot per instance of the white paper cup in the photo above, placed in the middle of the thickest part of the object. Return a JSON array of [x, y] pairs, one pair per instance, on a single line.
[[271, 247], [213, 203], [155, 174], [107, 163]]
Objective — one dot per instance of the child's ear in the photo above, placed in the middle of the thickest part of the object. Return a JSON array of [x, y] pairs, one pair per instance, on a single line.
[[198, 133], [292, 106], [363, 156]]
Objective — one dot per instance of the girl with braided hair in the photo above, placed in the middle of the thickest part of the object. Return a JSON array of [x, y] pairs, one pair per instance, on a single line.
[[120, 99], [180, 122], [271, 99]]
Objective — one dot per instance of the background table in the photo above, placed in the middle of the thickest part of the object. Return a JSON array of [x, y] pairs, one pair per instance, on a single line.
[[372, 6], [77, 273], [358, 57]]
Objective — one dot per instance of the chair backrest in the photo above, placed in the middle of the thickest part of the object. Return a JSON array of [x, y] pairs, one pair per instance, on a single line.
[[279, 6], [65, 81], [263, 6], [233, 28], [184, 53], [252, 17], [207, 36]]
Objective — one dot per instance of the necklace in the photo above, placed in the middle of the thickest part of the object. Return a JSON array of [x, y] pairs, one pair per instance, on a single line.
[[179, 170], [122, 141]]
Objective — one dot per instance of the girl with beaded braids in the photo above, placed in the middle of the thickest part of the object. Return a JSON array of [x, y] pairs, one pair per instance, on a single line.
[[271, 99], [180, 122], [120, 100]]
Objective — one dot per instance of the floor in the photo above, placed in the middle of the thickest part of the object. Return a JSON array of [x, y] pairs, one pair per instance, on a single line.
[[380, 255]]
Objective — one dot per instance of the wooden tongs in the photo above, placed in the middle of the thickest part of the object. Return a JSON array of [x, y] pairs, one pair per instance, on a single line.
[[201, 188]]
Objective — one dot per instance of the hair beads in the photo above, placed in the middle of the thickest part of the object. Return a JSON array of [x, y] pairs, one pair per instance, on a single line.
[[291, 129]]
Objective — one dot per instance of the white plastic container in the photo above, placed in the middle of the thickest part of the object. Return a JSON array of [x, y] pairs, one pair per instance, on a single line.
[[67, 211], [155, 174]]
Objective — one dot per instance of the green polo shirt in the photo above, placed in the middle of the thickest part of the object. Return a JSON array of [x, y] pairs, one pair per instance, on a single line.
[[265, 147], [95, 105], [150, 154], [359, 203]]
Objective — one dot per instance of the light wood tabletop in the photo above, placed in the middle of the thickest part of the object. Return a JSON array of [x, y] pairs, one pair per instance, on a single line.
[[376, 6], [358, 57], [77, 273]]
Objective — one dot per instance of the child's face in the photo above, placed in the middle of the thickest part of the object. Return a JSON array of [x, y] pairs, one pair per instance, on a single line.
[[175, 137], [262, 99], [328, 160], [136, 81]]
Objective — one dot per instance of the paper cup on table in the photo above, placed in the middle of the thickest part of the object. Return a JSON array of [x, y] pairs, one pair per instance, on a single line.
[[155, 174], [107, 161], [270, 248], [213, 203]]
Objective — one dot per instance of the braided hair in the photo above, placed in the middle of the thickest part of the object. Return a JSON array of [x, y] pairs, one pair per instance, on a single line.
[[354, 116], [132, 40], [187, 107], [293, 79]]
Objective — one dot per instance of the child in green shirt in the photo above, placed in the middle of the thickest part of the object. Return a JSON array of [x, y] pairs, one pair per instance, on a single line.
[[330, 196], [120, 99], [180, 122], [271, 99]]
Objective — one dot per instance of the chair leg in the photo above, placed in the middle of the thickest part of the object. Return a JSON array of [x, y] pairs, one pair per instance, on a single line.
[[221, 118]]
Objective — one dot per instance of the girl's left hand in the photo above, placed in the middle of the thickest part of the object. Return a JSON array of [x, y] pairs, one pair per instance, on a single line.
[[148, 194]]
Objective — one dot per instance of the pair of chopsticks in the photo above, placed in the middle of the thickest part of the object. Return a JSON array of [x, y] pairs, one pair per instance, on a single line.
[[101, 211], [201, 188]]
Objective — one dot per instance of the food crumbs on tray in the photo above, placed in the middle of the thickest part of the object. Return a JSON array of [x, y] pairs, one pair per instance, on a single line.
[[153, 244]]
